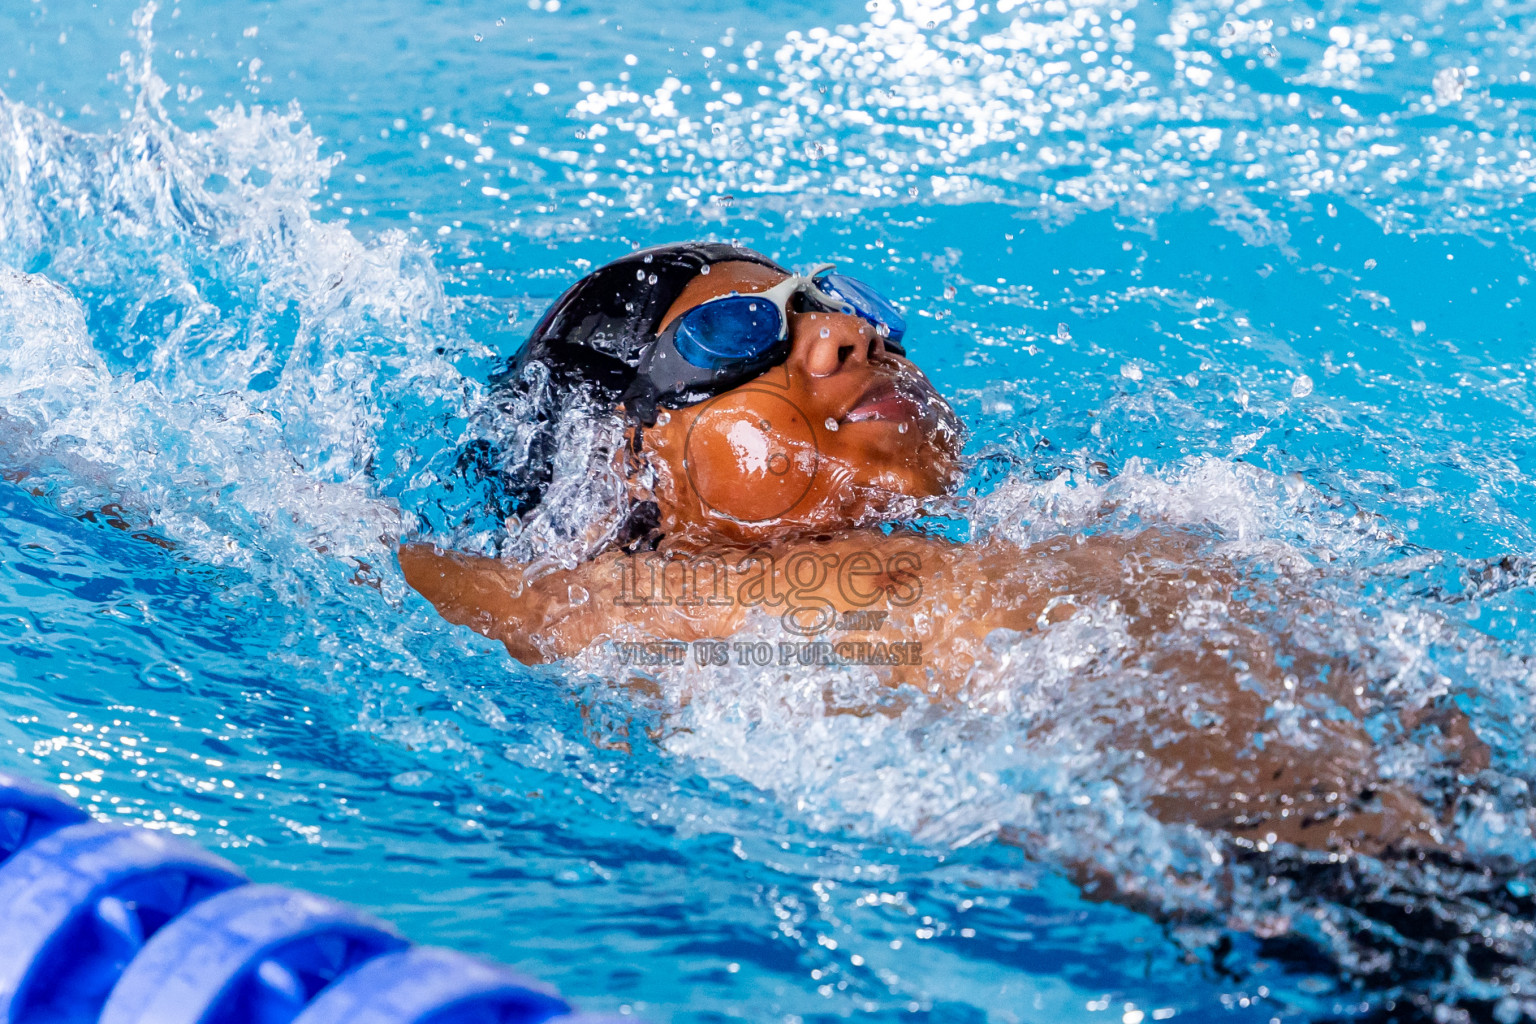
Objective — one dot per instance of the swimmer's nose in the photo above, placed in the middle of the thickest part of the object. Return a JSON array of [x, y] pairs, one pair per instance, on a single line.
[[827, 343]]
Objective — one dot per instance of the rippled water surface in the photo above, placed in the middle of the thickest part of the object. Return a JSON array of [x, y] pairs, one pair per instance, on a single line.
[[1265, 261]]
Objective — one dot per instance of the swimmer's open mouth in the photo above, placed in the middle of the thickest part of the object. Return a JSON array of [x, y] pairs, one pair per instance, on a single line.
[[886, 399]]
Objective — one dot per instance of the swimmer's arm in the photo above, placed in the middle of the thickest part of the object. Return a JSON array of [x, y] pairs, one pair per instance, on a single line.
[[556, 614], [921, 588], [673, 597], [493, 599]]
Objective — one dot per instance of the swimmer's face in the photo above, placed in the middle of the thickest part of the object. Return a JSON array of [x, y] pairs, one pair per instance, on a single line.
[[843, 432]]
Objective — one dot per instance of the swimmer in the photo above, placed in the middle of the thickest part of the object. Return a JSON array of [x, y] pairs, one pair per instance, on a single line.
[[778, 444], [775, 446]]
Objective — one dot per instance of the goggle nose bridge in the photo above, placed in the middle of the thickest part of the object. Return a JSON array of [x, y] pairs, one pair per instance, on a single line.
[[785, 292]]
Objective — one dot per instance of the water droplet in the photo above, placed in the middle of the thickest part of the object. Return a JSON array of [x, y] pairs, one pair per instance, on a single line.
[[651, 279], [751, 307], [831, 424], [1269, 52], [1130, 371], [1333, 211], [883, 330], [950, 291], [1370, 264], [479, 38], [640, 275], [648, 258], [1449, 84], [577, 594], [1301, 387], [901, 428], [704, 269], [1418, 326], [1191, 380], [663, 418], [825, 332], [1062, 334]]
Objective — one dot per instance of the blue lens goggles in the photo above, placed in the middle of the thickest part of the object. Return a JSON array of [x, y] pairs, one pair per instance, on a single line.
[[728, 340]]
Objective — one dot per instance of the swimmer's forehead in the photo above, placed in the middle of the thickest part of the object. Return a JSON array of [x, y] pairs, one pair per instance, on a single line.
[[722, 279]]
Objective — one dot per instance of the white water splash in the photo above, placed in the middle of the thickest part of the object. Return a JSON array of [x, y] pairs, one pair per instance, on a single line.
[[181, 336]]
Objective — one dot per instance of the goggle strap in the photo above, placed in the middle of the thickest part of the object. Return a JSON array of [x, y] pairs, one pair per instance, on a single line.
[[639, 401]]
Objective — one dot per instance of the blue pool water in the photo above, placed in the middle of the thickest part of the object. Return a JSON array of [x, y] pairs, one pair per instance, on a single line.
[[1267, 261]]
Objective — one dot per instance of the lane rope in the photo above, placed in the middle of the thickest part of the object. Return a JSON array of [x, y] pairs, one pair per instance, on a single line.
[[109, 924]]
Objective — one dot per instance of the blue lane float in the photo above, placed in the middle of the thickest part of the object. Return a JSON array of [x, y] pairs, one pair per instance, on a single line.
[[261, 952], [421, 985], [77, 906], [103, 924], [28, 812]]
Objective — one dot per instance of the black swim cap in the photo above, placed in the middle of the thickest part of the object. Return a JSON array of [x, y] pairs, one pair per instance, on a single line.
[[583, 353]]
